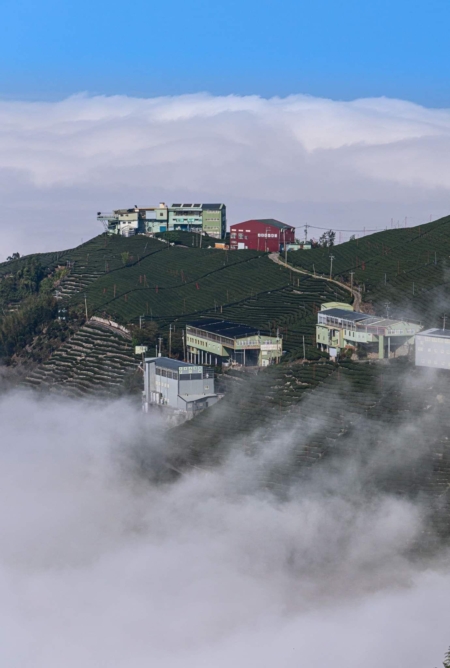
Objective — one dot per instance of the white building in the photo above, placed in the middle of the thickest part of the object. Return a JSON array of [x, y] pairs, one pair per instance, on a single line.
[[433, 348]]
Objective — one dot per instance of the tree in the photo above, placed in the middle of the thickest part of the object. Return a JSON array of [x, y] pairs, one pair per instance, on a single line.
[[14, 256], [446, 663], [327, 239], [353, 237]]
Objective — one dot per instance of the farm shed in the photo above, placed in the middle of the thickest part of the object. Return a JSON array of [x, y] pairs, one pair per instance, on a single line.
[[339, 328], [221, 341]]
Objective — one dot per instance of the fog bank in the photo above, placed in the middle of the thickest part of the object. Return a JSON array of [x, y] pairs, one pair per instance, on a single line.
[[100, 567]]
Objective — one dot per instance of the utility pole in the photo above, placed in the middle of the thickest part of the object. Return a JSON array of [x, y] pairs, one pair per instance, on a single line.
[[444, 318], [140, 321], [85, 306], [184, 346], [351, 280], [304, 353], [331, 265], [306, 232], [285, 247], [386, 305], [170, 340], [159, 339]]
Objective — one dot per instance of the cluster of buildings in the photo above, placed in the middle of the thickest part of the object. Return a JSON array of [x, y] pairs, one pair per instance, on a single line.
[[210, 219], [340, 328], [262, 234], [187, 387]]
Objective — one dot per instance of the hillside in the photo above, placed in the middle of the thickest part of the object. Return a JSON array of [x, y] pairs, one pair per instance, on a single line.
[[408, 268], [128, 279], [318, 411], [99, 359], [387, 424]]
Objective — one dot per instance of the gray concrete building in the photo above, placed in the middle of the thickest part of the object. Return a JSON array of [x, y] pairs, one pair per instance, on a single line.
[[179, 386], [433, 348]]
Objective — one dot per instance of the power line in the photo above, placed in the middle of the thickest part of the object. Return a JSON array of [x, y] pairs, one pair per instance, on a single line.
[[316, 227]]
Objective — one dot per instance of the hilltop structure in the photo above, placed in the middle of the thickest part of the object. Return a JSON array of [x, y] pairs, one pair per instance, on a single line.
[[180, 387], [210, 219], [221, 342], [263, 234], [340, 327]]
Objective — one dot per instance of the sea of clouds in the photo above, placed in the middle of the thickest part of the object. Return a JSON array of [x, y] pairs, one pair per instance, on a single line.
[[102, 566], [347, 165]]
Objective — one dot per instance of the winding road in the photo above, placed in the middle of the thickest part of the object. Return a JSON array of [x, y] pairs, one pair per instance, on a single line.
[[353, 291]]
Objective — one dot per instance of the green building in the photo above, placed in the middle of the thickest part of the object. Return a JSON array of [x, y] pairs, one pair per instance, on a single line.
[[217, 342], [210, 219], [339, 327]]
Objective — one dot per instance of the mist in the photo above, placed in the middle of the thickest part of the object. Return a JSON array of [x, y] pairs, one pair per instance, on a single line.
[[104, 562], [347, 165]]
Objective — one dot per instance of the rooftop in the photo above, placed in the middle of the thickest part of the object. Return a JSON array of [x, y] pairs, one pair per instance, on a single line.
[[168, 363], [267, 221], [344, 314], [232, 330], [441, 333], [189, 205]]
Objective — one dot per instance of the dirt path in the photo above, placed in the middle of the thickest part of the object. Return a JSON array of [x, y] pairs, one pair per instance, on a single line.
[[355, 292]]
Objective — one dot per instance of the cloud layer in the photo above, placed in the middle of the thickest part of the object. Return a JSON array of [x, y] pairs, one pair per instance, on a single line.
[[99, 567], [302, 159]]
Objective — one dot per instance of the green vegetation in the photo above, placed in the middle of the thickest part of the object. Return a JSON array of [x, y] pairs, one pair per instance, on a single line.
[[190, 239], [408, 268], [18, 328], [96, 359]]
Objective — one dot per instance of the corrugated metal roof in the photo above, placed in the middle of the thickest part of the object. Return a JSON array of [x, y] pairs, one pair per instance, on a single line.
[[345, 315]]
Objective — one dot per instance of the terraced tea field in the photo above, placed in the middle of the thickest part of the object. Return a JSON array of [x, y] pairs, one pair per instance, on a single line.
[[96, 360], [408, 268], [389, 423]]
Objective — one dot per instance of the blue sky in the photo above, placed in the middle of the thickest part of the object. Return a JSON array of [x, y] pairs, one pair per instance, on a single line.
[[341, 50]]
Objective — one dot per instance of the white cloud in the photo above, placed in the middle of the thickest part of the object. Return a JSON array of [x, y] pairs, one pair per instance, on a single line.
[[100, 567], [302, 159]]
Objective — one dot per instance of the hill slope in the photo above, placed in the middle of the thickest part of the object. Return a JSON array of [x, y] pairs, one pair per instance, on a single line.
[[409, 268]]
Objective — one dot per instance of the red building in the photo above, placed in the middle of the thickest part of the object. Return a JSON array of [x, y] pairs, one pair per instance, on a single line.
[[264, 234]]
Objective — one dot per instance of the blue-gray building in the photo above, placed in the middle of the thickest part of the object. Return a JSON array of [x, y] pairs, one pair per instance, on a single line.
[[177, 385]]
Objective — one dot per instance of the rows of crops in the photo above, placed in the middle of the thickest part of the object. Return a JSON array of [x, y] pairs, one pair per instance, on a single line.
[[187, 282], [96, 360], [376, 419], [292, 312], [405, 268]]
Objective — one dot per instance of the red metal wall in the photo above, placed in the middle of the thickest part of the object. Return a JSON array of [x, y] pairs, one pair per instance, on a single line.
[[257, 235]]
